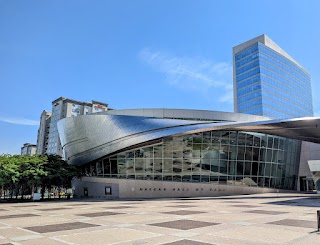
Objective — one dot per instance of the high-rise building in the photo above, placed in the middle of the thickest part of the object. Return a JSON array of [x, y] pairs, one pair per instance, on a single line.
[[62, 108], [28, 149], [43, 132], [269, 82]]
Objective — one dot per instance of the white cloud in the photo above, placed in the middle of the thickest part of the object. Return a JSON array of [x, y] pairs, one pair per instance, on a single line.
[[19, 121], [196, 74]]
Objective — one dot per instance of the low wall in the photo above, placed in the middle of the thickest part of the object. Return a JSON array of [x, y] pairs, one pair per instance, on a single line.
[[126, 188]]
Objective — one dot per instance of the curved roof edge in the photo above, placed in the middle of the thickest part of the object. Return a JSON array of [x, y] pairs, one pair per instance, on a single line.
[[186, 114], [89, 137]]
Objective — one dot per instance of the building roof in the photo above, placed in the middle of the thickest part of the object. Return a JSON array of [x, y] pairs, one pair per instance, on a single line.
[[264, 39], [78, 102]]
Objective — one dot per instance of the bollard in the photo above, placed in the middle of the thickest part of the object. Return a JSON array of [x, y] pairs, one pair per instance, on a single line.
[[318, 218]]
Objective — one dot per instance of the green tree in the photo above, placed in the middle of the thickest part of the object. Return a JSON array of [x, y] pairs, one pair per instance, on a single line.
[[32, 169], [9, 172], [20, 175], [59, 174]]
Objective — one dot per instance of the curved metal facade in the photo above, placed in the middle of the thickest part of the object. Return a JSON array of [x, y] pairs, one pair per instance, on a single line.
[[89, 137], [114, 139]]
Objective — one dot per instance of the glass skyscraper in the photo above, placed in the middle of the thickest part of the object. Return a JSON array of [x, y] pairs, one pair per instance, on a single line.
[[268, 82]]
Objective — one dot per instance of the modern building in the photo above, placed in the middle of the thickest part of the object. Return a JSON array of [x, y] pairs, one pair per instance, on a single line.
[[138, 153], [28, 149], [43, 132], [176, 153], [269, 82], [62, 108]]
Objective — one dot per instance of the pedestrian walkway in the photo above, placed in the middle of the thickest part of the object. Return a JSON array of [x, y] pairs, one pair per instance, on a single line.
[[248, 219]]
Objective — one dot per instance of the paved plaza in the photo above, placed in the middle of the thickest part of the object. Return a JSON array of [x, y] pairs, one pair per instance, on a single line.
[[247, 219]]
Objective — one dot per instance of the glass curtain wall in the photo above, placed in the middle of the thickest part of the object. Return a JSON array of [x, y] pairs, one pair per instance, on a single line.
[[219, 157], [268, 84]]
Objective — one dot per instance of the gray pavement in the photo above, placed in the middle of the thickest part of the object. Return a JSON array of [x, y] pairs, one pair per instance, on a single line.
[[249, 219]]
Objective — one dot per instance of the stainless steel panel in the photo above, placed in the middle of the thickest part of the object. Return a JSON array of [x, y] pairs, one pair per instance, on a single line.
[[89, 137]]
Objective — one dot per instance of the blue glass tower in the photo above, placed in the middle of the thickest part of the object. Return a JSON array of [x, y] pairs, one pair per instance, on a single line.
[[268, 82]]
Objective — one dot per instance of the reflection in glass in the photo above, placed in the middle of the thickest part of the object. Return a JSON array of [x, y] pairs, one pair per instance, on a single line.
[[218, 157]]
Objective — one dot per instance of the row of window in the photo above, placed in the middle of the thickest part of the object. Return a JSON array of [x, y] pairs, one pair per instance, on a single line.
[[242, 163], [284, 98], [248, 97], [304, 86], [287, 183], [289, 89], [276, 57], [292, 70], [247, 67], [283, 109], [306, 90], [110, 167], [300, 75], [213, 157], [247, 60], [246, 52], [247, 74], [245, 83], [284, 60], [255, 111], [284, 81], [249, 89], [251, 148], [243, 108], [214, 141], [281, 106], [270, 111]]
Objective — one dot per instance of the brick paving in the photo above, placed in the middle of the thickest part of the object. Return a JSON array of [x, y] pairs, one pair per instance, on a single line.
[[297, 223], [250, 219], [184, 224], [12, 216], [59, 227]]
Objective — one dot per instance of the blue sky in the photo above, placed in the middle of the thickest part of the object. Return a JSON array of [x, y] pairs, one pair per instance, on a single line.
[[130, 54]]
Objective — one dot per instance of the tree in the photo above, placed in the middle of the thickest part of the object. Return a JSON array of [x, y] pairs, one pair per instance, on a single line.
[[60, 174], [9, 172], [32, 169], [22, 174]]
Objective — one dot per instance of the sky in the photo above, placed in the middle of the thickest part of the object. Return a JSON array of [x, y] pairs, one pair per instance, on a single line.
[[137, 54]]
